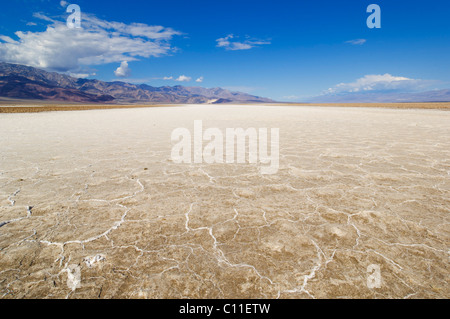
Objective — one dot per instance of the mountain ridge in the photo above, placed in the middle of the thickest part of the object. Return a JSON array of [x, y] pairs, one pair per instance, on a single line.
[[25, 82]]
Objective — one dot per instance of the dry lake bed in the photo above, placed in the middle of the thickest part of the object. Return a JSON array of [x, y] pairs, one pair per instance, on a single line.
[[93, 206]]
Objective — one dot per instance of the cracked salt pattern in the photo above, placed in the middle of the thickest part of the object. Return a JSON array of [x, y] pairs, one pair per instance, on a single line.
[[96, 191]]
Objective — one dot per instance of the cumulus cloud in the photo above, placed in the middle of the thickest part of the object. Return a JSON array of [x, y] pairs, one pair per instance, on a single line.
[[385, 82], [200, 79], [183, 78], [63, 3], [229, 43], [123, 70], [167, 78], [357, 41], [62, 49]]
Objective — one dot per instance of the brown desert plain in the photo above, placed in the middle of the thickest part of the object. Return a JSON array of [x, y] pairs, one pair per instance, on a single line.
[[92, 206]]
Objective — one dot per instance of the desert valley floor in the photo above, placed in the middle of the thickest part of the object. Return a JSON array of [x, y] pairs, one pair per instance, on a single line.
[[91, 206]]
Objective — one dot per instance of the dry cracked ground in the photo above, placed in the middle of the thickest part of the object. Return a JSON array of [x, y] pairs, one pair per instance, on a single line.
[[91, 206]]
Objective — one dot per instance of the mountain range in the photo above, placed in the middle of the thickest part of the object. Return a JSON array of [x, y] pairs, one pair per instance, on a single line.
[[384, 97], [28, 83], [24, 82]]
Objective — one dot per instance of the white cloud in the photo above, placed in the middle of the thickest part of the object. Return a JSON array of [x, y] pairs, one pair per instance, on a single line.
[[41, 16], [79, 75], [183, 78], [229, 44], [7, 39], [63, 3], [385, 82], [59, 48], [357, 41], [31, 24], [200, 79], [123, 70]]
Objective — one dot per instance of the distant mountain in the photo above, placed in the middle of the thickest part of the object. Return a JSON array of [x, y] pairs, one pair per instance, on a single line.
[[384, 97], [23, 82]]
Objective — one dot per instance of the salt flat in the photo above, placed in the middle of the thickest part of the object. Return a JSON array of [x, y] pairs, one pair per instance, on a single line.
[[91, 205]]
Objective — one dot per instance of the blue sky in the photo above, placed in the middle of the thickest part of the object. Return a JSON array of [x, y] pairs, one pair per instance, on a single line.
[[285, 50]]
